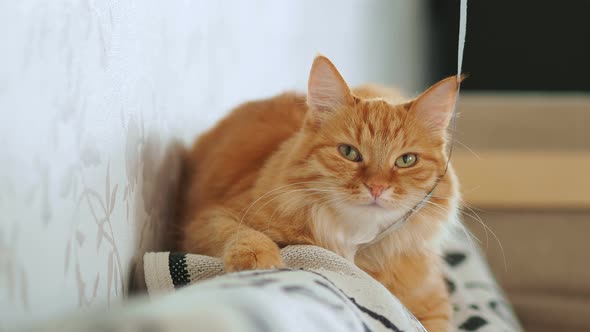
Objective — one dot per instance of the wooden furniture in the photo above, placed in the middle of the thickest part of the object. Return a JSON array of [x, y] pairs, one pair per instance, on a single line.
[[526, 174]]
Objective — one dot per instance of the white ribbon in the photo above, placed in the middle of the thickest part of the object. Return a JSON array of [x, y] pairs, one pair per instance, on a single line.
[[462, 31]]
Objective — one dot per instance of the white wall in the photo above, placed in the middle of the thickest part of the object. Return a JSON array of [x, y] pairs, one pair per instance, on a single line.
[[92, 93]]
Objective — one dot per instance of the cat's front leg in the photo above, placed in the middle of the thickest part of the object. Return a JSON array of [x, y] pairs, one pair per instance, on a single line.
[[417, 282], [434, 312], [217, 232], [251, 250]]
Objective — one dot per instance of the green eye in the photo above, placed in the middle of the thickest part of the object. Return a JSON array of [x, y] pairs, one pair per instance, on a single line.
[[406, 160], [350, 153]]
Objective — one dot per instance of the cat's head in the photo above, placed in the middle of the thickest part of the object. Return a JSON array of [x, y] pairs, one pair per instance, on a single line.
[[366, 152]]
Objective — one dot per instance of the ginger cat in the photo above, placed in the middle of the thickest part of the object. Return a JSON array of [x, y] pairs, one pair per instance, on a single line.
[[333, 169]]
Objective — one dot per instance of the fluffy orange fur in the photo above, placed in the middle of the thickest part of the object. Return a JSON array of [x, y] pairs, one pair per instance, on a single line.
[[273, 173]]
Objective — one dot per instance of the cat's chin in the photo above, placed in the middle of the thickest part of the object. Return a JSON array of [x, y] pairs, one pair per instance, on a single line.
[[372, 208], [377, 208]]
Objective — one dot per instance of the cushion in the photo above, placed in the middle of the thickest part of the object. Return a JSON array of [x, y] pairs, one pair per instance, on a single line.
[[321, 291]]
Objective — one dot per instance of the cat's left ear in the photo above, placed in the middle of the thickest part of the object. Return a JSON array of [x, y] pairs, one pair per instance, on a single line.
[[327, 91], [435, 106]]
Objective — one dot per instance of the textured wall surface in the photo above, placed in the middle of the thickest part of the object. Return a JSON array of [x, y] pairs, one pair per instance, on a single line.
[[93, 95]]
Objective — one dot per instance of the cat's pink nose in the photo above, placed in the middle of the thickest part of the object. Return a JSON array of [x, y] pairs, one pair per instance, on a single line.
[[375, 189]]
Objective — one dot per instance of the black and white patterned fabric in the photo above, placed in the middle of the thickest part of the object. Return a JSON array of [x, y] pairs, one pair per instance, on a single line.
[[323, 292], [479, 304]]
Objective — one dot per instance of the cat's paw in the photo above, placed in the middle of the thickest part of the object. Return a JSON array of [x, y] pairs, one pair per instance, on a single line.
[[252, 255]]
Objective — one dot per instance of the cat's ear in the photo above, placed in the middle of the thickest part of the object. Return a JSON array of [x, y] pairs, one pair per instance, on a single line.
[[435, 106], [326, 90]]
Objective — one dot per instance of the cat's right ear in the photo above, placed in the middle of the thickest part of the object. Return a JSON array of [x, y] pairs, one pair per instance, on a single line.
[[435, 106], [326, 90]]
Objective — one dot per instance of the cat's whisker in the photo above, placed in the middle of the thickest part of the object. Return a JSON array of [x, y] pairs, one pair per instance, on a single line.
[[306, 203], [487, 228], [286, 193], [467, 232], [465, 214], [279, 188], [435, 208], [271, 192], [476, 217], [464, 203], [336, 200], [337, 194], [420, 196], [455, 140], [288, 204], [445, 212], [418, 210], [322, 200], [440, 208]]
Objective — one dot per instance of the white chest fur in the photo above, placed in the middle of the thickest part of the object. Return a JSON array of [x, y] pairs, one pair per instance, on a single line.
[[343, 231]]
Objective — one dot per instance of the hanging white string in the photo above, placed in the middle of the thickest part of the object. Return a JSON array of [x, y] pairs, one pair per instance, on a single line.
[[462, 31], [460, 48]]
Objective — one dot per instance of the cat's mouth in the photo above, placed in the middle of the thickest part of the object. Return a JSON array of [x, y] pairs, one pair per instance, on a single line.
[[375, 203]]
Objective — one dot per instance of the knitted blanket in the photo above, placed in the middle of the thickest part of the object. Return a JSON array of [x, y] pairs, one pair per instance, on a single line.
[[321, 291]]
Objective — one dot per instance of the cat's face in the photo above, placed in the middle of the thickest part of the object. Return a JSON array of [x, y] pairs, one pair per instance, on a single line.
[[378, 156], [369, 154]]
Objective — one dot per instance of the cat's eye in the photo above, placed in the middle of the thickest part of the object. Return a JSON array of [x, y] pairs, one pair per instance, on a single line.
[[350, 153], [406, 160]]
